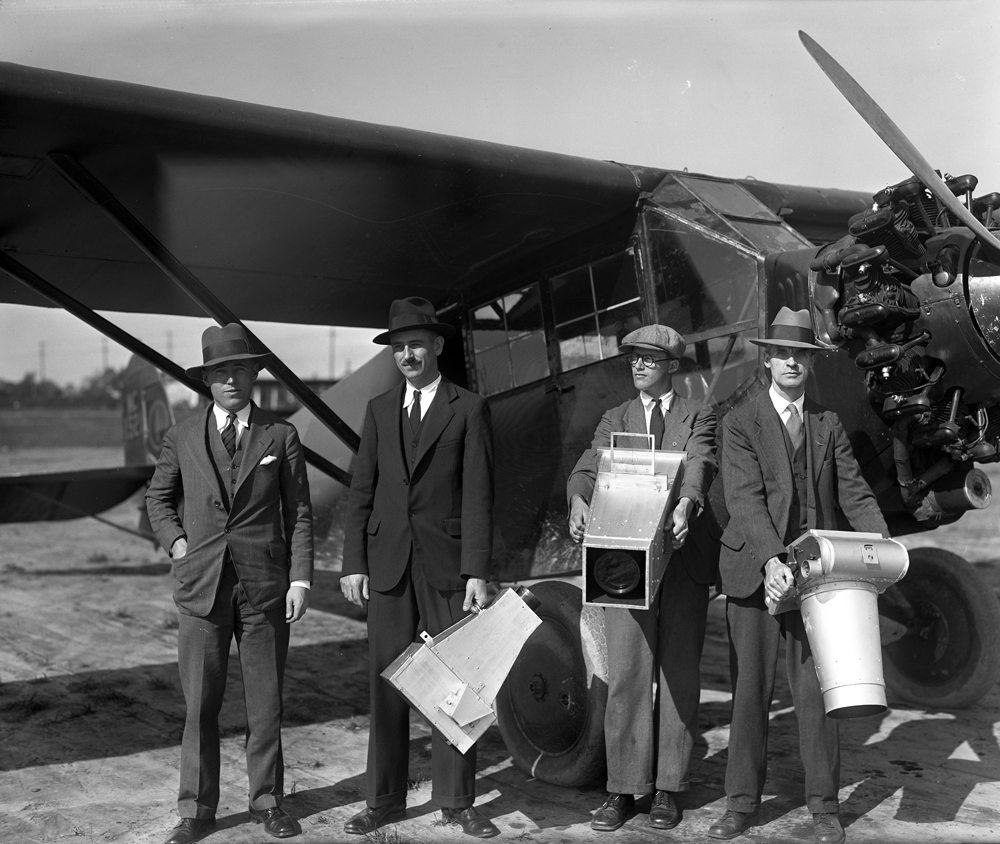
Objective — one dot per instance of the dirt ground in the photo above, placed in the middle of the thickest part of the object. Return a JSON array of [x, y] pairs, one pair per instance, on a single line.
[[91, 715]]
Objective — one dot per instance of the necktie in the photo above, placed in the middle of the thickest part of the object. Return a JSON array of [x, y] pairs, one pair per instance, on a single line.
[[415, 410], [229, 435], [794, 426], [656, 423]]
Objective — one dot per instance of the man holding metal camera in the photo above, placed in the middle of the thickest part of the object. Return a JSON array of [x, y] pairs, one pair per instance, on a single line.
[[787, 466], [663, 644]]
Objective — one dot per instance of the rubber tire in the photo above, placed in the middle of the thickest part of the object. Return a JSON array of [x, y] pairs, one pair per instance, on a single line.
[[581, 760], [946, 585]]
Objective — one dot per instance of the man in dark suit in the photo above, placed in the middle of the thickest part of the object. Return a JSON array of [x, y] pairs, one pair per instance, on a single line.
[[242, 560], [417, 547], [786, 467], [662, 644]]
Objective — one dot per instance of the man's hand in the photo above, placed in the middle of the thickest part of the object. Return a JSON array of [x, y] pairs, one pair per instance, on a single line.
[[355, 588], [475, 593], [578, 514], [778, 579], [296, 601], [679, 521], [179, 548]]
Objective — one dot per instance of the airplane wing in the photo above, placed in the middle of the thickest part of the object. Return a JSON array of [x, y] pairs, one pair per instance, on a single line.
[[55, 496], [284, 215]]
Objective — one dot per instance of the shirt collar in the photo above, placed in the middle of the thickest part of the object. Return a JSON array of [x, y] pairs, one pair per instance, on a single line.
[[781, 403], [667, 398], [242, 416], [426, 393]]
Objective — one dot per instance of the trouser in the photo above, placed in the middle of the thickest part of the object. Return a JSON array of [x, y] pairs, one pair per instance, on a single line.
[[394, 620], [647, 731], [203, 660], [754, 637]]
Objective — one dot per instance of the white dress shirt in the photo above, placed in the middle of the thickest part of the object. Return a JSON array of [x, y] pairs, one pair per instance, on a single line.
[[426, 397], [648, 401], [781, 404]]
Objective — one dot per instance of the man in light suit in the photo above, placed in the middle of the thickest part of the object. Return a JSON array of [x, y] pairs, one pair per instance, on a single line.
[[242, 561], [664, 643], [786, 467], [417, 548]]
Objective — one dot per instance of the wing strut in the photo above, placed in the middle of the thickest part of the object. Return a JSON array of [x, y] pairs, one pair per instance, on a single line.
[[25, 276], [85, 182]]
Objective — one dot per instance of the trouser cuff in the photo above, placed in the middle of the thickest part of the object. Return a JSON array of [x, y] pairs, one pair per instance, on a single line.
[[451, 802]]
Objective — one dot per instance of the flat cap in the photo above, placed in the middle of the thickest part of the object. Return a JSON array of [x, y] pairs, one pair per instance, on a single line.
[[660, 337]]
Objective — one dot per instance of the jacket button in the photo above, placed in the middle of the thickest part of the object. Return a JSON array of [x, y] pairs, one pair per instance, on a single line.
[[405, 482], [218, 503], [414, 443], [410, 514], [228, 530]]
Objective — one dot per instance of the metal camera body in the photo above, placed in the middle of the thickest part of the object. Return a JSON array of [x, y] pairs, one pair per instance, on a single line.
[[838, 578], [624, 549]]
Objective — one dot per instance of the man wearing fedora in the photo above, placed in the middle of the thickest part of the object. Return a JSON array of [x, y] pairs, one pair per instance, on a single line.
[[242, 561], [417, 546], [787, 466], [662, 645]]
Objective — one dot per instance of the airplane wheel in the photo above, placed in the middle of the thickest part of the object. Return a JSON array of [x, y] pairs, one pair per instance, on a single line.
[[951, 656], [551, 708]]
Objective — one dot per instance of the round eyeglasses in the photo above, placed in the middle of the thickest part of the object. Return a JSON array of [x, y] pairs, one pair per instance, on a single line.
[[647, 360]]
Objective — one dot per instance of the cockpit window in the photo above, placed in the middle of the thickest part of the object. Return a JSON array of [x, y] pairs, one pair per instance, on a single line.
[[508, 337], [594, 307]]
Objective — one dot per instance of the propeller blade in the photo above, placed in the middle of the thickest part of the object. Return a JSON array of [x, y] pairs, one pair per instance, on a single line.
[[894, 138]]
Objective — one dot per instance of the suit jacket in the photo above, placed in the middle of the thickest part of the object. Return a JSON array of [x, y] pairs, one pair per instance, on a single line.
[[757, 477], [441, 507], [690, 427], [267, 528]]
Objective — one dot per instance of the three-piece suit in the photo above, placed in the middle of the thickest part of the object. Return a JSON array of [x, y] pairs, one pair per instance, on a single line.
[[248, 524], [664, 643], [774, 493], [419, 524]]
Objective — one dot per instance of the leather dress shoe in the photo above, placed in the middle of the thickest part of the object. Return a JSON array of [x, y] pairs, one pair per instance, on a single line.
[[471, 821], [733, 823], [613, 813], [827, 828], [368, 819], [190, 830], [664, 813], [277, 822]]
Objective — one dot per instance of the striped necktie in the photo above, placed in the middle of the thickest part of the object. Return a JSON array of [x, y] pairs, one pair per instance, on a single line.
[[229, 435]]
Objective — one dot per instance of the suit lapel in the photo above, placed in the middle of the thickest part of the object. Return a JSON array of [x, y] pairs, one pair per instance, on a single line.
[[772, 441], [675, 418], [818, 436], [635, 417], [258, 440], [199, 445], [437, 419]]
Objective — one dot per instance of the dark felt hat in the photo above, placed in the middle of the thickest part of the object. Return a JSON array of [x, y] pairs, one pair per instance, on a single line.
[[791, 328], [413, 312], [230, 342]]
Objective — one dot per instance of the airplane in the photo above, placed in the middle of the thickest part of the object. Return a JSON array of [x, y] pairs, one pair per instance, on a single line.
[[120, 197]]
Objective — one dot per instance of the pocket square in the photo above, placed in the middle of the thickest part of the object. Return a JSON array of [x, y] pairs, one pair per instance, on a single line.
[[269, 459]]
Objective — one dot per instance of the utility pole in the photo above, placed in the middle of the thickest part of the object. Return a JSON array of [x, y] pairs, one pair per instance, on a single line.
[[41, 361], [104, 354]]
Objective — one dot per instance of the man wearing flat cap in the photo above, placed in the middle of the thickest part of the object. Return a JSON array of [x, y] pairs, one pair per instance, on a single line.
[[417, 550], [787, 467], [662, 644], [242, 559]]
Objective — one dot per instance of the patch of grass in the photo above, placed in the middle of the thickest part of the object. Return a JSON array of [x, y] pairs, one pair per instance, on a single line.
[[34, 681], [84, 686], [122, 612], [414, 784], [388, 835], [97, 557], [106, 693], [22, 708], [158, 684]]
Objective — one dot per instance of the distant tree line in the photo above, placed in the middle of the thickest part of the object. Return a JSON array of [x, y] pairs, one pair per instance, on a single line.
[[101, 390]]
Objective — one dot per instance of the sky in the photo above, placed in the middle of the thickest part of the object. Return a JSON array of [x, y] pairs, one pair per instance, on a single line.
[[723, 88]]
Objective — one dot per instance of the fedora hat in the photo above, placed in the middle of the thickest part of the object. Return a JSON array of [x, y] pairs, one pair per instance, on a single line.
[[230, 342], [791, 328], [413, 312]]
